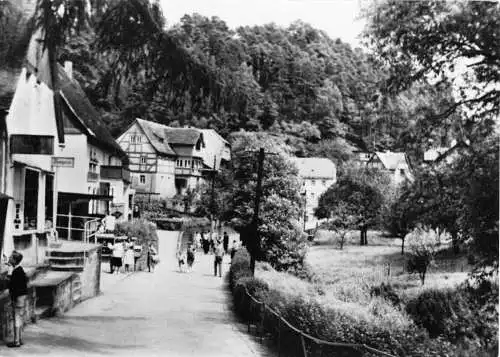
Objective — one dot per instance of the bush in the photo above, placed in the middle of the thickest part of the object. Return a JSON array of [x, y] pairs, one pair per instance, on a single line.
[[387, 292], [456, 315], [240, 267], [331, 323]]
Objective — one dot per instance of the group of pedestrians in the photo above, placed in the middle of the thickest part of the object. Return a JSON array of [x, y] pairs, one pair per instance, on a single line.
[[126, 254], [209, 244]]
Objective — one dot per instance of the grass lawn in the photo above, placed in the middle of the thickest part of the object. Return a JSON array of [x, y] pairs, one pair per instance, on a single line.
[[380, 261]]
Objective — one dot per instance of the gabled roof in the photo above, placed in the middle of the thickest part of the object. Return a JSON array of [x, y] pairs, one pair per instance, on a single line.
[[156, 135], [81, 108], [183, 136], [391, 160], [207, 132], [315, 167]]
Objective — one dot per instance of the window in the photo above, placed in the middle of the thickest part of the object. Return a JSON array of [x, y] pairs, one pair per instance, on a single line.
[[313, 182], [186, 163], [402, 172], [324, 182], [143, 159], [142, 179], [132, 138], [32, 144], [180, 163], [139, 138], [30, 199]]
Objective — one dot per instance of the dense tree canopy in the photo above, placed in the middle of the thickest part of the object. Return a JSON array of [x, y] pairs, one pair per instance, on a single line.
[[355, 199], [453, 41]]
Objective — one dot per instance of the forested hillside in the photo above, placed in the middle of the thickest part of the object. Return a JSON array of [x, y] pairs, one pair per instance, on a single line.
[[315, 92]]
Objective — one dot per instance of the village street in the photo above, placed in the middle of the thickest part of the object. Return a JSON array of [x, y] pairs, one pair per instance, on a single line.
[[164, 313]]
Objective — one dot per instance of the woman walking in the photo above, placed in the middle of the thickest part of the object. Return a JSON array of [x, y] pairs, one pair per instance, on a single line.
[[190, 257], [152, 258]]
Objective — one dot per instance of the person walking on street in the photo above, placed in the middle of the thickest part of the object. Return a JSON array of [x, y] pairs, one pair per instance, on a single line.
[[218, 256], [190, 257], [18, 290], [226, 242], [205, 242], [129, 259], [151, 258], [234, 249], [117, 256]]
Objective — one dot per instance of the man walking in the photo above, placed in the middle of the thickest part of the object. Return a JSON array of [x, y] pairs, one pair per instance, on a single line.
[[18, 290], [219, 254], [226, 242]]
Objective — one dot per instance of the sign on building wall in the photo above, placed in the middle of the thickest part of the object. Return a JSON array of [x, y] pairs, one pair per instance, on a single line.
[[63, 161]]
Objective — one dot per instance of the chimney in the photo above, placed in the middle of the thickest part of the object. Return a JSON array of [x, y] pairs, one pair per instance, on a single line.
[[68, 68]]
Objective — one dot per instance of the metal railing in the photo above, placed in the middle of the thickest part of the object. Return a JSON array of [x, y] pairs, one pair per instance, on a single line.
[[268, 321], [90, 229], [81, 228]]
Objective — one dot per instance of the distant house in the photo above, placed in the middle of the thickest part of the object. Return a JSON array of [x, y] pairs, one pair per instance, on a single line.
[[396, 164], [317, 175], [445, 155], [167, 161]]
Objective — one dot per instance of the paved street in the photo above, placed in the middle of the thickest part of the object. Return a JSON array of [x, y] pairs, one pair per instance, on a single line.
[[161, 314]]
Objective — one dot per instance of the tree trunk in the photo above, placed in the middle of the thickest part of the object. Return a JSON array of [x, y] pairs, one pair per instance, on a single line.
[[361, 240], [402, 245], [365, 236], [455, 243]]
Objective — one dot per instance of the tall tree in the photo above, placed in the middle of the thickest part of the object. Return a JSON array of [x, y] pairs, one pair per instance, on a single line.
[[454, 41]]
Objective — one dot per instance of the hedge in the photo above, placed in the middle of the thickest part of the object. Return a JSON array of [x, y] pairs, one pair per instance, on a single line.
[[329, 323]]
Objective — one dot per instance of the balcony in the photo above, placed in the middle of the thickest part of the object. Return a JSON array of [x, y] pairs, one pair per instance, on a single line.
[[186, 171], [115, 173], [92, 176]]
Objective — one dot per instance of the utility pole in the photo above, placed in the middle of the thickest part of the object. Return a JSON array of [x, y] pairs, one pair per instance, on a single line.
[[255, 240], [212, 203]]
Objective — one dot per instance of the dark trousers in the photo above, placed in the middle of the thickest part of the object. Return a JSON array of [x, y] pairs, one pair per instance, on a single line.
[[218, 264]]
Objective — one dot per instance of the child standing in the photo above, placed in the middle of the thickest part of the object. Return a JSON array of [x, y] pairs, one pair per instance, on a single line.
[[18, 290], [129, 259]]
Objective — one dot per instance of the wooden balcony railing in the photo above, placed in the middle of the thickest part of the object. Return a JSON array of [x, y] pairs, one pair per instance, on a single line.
[[115, 173]]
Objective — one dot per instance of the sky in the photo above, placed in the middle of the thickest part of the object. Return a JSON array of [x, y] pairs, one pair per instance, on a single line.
[[337, 17]]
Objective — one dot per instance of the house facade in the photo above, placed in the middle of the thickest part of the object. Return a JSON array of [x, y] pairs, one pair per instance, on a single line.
[[396, 164], [317, 175], [166, 162], [93, 169]]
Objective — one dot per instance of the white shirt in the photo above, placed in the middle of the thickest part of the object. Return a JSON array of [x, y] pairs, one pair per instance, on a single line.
[[110, 222], [118, 250]]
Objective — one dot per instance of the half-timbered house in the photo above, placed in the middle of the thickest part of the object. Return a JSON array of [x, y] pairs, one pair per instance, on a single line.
[[166, 161]]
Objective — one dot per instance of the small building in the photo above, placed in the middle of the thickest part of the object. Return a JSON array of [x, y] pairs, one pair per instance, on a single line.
[[317, 175], [396, 164], [445, 155], [166, 161]]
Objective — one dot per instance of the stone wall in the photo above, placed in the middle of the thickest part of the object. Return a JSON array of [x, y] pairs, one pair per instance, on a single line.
[[90, 277], [6, 313]]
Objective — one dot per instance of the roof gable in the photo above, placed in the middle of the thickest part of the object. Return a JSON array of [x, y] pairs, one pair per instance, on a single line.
[[391, 160], [84, 113], [155, 133]]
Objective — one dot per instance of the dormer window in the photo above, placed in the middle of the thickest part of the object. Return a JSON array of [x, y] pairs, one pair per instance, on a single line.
[[198, 145]]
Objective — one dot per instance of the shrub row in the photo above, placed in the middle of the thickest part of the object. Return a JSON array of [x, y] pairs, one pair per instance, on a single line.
[[329, 323]]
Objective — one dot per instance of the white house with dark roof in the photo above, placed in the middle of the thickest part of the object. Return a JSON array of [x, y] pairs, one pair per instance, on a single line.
[[396, 164], [166, 161], [317, 175], [94, 167]]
